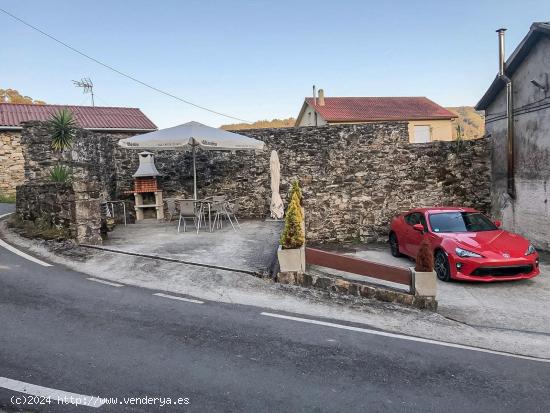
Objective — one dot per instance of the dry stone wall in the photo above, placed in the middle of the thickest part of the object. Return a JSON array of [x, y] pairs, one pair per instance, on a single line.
[[355, 178], [11, 162], [50, 204]]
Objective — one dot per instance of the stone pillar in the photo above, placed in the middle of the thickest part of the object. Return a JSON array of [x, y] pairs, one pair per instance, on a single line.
[[88, 213]]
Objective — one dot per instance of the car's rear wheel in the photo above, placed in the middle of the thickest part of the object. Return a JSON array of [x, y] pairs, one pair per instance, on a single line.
[[442, 267], [394, 245]]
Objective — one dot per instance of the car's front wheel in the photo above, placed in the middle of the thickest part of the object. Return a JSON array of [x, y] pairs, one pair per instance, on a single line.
[[442, 267], [394, 245]]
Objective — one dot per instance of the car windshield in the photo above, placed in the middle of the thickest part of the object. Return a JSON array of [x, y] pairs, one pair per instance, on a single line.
[[460, 222]]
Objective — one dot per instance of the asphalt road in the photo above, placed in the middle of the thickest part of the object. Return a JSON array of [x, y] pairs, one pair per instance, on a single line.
[[6, 208], [62, 331]]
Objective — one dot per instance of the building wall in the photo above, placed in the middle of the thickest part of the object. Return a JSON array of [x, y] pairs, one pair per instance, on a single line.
[[441, 129], [11, 161], [309, 118], [529, 213], [355, 178]]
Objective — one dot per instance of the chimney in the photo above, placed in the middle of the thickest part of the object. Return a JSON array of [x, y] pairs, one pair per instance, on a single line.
[[501, 51], [321, 97], [146, 165], [314, 96]]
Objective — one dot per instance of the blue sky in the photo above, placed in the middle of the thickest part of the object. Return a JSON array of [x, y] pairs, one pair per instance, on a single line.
[[258, 59]]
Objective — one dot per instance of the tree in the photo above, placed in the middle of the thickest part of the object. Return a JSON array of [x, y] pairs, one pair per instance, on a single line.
[[13, 96], [62, 127]]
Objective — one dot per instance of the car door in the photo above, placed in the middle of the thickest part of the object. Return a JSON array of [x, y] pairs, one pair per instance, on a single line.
[[413, 238]]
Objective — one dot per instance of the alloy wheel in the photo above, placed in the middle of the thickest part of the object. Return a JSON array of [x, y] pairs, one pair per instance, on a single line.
[[442, 268]]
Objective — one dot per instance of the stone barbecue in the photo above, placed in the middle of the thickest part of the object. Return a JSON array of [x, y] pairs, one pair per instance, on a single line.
[[147, 194]]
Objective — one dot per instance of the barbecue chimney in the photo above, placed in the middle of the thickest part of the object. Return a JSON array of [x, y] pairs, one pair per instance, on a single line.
[[146, 165]]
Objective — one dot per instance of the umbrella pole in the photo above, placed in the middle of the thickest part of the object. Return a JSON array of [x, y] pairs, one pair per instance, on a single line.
[[194, 173]]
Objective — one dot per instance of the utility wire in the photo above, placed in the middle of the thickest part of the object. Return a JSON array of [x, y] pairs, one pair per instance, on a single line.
[[118, 71]]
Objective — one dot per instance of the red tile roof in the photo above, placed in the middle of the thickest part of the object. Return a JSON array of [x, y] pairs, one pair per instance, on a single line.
[[368, 109], [88, 117]]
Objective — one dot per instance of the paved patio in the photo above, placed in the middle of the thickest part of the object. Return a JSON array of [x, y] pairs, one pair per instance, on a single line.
[[253, 248], [508, 305]]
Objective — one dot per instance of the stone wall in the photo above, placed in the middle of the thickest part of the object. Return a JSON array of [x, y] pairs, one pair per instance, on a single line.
[[50, 204], [11, 162], [354, 177], [91, 161]]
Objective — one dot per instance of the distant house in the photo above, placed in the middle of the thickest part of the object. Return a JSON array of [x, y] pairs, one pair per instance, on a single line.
[[426, 119], [517, 118], [121, 122]]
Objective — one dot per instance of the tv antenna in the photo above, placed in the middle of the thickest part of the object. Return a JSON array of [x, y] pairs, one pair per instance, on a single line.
[[87, 86]]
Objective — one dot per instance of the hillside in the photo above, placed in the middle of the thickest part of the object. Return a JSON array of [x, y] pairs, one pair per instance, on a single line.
[[274, 123], [471, 121]]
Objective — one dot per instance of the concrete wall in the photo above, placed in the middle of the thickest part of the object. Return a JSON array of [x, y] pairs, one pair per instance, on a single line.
[[11, 161], [529, 213], [355, 178]]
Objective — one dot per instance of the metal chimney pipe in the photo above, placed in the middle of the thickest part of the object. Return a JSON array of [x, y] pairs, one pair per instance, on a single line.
[[501, 51], [511, 185]]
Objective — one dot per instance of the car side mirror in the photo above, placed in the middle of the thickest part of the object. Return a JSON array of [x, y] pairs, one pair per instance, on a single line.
[[418, 227], [497, 223]]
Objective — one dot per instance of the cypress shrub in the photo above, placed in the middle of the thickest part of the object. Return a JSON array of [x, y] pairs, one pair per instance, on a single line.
[[293, 236], [424, 258]]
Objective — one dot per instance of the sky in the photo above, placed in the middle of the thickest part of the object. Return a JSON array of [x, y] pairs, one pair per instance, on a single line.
[[257, 59]]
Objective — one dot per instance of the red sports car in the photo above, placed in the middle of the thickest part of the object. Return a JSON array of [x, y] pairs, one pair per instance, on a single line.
[[466, 244]]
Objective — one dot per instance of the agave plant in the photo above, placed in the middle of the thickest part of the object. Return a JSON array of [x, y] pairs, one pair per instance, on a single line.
[[63, 129], [60, 173]]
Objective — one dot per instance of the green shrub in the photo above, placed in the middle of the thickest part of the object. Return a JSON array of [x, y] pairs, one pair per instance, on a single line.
[[62, 127], [293, 235], [60, 173]]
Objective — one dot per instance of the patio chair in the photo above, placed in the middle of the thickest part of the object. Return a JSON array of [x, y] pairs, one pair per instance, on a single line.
[[223, 210], [187, 210], [232, 208], [171, 208]]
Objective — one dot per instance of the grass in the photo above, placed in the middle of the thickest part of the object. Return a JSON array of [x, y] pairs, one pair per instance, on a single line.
[[7, 199]]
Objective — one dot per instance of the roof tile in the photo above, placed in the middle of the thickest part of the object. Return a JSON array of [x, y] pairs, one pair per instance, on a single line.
[[368, 109], [87, 117]]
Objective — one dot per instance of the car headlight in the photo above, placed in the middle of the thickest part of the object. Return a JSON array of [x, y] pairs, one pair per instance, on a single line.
[[530, 250], [465, 253]]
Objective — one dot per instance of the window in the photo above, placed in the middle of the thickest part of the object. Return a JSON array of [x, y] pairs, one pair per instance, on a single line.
[[461, 222], [416, 218], [422, 134]]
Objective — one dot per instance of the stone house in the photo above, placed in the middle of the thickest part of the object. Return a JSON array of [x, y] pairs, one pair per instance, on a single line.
[[427, 121], [517, 118], [108, 120]]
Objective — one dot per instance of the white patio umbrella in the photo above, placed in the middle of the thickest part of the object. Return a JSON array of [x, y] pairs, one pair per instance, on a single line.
[[192, 135], [277, 208]]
